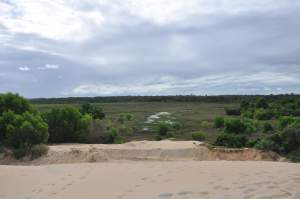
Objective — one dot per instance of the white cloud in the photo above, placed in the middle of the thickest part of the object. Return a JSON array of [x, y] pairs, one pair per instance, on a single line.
[[49, 66], [237, 83], [24, 68]]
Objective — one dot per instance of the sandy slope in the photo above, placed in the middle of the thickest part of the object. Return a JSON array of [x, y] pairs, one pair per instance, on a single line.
[[142, 170], [142, 150], [152, 179]]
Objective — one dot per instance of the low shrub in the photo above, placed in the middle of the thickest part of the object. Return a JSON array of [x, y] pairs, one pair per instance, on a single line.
[[263, 114], [284, 121], [20, 152], [231, 140], [162, 128], [199, 135], [235, 126], [233, 111], [294, 156], [39, 150], [205, 124], [219, 122], [267, 127]]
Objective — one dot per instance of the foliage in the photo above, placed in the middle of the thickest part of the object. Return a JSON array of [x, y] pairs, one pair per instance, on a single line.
[[263, 114], [291, 138], [95, 111], [284, 121], [39, 150], [267, 127], [205, 124], [219, 122], [162, 128], [235, 126], [199, 135], [231, 140], [262, 103], [294, 156], [14, 103], [233, 111], [67, 124]]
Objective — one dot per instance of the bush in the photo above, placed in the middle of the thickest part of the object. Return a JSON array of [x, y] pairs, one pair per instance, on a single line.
[[205, 124], [235, 126], [67, 124], [23, 130], [248, 114], [267, 127], [95, 111], [20, 152], [231, 140], [199, 135], [14, 103], [294, 156], [233, 111], [39, 150], [263, 114], [162, 128], [219, 122], [267, 144], [262, 103], [291, 138], [284, 121]]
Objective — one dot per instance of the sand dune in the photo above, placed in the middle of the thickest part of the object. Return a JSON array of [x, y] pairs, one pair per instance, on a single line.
[[152, 179], [149, 170], [165, 150]]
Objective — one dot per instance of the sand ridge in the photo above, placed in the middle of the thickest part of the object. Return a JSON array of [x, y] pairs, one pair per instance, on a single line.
[[165, 150]]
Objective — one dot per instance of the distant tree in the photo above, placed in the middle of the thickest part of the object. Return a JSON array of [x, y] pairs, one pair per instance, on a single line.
[[95, 111]]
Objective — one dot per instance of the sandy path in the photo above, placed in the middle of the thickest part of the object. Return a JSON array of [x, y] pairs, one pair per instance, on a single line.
[[161, 180]]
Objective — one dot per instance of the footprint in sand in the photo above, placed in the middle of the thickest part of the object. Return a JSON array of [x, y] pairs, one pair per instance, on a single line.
[[165, 195]]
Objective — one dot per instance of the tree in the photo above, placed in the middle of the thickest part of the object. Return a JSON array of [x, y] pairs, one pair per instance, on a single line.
[[67, 124], [15, 103], [95, 111]]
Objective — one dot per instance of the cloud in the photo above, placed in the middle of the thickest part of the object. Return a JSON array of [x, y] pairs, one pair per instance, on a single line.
[[49, 66], [24, 68], [149, 47]]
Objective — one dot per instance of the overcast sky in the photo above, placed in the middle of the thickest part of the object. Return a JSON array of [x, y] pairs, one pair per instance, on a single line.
[[58, 48]]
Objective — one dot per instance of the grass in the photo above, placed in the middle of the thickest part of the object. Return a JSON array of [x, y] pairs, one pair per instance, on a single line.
[[188, 114]]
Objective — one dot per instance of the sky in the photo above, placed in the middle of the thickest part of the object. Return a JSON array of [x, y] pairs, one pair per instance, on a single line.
[[61, 48]]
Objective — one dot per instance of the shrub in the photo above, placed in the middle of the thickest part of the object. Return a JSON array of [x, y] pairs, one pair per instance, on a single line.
[[39, 150], [205, 124], [24, 130], [248, 114], [262, 103], [267, 144], [294, 156], [233, 111], [251, 125], [291, 138], [162, 128], [67, 124], [95, 111], [263, 114], [284, 121], [20, 152], [231, 140], [219, 122], [115, 137], [235, 126], [14, 103], [267, 127], [199, 135]]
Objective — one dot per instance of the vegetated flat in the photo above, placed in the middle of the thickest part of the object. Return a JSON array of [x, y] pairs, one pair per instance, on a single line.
[[188, 114], [150, 180]]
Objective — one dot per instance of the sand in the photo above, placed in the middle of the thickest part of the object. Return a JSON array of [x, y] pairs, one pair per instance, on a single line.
[[161, 180], [162, 170]]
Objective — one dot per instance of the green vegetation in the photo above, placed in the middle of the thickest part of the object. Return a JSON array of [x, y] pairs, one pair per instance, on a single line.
[[39, 150], [263, 122], [199, 135], [21, 127]]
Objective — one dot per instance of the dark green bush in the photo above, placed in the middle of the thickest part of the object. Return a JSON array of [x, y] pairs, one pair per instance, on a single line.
[[14, 103], [20, 152], [267, 127], [219, 122], [231, 140], [267, 144], [233, 111], [95, 111], [262, 103], [67, 124], [199, 135], [294, 156], [291, 138], [39, 150], [235, 126], [284, 121]]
